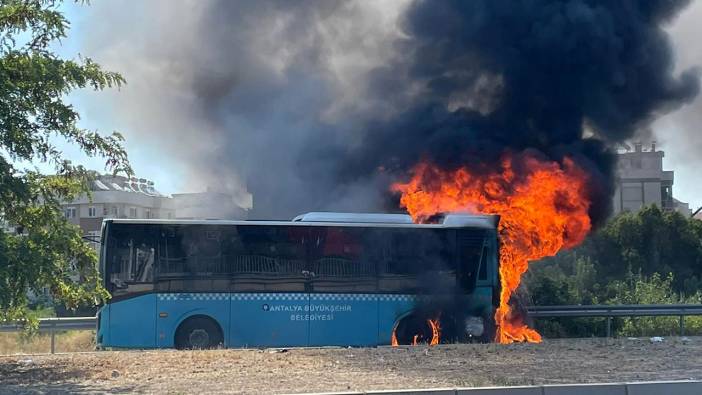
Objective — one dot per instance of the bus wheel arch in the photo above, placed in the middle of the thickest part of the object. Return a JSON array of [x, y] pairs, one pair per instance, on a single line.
[[407, 326], [198, 332]]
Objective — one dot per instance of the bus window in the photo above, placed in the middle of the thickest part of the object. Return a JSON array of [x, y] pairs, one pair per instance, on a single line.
[[201, 250], [171, 255], [266, 258], [416, 261], [438, 267], [131, 261], [339, 260], [483, 272], [472, 249], [190, 259]]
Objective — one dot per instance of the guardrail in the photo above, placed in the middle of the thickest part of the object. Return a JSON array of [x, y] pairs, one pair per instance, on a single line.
[[54, 325], [690, 387], [611, 311]]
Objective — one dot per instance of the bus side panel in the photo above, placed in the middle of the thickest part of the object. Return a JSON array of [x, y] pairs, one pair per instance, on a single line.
[[270, 320], [391, 308], [481, 300], [343, 319], [133, 322], [174, 308]]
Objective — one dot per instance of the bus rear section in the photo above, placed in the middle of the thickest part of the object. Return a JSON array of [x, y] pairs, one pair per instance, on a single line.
[[284, 284]]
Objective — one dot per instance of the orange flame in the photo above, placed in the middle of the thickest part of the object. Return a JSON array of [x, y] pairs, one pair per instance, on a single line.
[[435, 331], [416, 339], [543, 208]]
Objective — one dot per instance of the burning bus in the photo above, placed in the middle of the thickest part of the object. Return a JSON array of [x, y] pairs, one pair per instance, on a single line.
[[323, 279]]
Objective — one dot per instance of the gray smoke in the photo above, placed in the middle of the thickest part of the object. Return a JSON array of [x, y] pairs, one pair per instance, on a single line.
[[679, 132], [319, 105], [239, 90]]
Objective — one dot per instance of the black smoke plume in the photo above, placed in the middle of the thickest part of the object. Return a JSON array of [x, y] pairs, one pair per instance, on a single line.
[[320, 105], [560, 77]]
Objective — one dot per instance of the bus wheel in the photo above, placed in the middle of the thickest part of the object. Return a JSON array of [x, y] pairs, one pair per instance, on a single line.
[[198, 332], [413, 330]]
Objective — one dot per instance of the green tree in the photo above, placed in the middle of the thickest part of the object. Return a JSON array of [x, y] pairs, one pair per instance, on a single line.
[[648, 242], [650, 256], [657, 289], [34, 83]]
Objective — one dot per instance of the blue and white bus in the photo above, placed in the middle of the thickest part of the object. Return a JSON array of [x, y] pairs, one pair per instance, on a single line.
[[323, 279]]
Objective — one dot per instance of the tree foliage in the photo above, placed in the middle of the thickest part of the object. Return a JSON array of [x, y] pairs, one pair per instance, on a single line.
[[34, 82], [648, 242], [651, 256]]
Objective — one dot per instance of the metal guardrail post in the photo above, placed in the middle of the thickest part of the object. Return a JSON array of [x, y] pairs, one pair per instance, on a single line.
[[682, 325], [53, 337], [609, 327]]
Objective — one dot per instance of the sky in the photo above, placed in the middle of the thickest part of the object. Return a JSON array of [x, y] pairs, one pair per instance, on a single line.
[[152, 157], [674, 132], [148, 157]]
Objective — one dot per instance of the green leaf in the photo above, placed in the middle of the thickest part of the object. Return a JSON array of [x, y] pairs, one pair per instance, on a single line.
[[34, 83]]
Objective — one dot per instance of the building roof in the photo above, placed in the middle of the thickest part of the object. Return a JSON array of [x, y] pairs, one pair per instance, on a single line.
[[104, 183]]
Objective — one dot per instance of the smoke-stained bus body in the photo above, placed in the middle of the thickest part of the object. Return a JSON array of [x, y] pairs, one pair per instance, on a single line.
[[323, 279]]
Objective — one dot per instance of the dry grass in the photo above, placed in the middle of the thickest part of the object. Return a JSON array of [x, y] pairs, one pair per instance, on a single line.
[[358, 369], [70, 341]]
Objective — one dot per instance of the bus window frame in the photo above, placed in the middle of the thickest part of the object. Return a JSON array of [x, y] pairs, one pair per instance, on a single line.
[[110, 285]]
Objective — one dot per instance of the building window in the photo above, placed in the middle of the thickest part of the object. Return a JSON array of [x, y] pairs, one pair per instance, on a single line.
[[92, 212], [667, 197], [147, 213], [132, 212], [69, 212], [115, 211]]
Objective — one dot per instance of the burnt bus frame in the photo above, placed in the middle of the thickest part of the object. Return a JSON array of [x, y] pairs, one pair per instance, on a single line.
[[493, 275]]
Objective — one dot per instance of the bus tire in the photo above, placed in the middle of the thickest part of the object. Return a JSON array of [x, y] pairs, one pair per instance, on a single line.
[[198, 332], [410, 325]]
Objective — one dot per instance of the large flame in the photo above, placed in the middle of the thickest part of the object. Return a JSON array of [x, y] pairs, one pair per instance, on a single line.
[[543, 207]]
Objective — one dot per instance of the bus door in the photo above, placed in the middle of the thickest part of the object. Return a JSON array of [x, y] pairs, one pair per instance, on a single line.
[[477, 263], [131, 314], [270, 286], [343, 300]]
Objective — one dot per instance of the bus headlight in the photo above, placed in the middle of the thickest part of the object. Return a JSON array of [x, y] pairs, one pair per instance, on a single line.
[[474, 326]]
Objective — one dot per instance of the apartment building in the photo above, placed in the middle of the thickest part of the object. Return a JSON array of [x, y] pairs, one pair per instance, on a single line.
[[117, 197], [123, 197], [641, 181]]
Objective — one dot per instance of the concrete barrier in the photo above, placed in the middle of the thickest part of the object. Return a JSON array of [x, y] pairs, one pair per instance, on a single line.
[[530, 390], [642, 388], [584, 389], [664, 388], [432, 391]]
